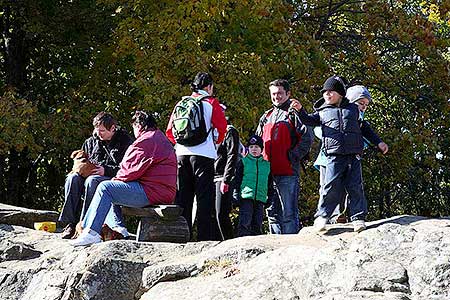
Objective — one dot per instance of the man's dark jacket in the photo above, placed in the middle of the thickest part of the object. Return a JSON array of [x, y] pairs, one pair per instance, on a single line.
[[227, 156], [108, 154]]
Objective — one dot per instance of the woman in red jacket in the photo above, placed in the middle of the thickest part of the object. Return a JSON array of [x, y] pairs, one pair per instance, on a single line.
[[147, 176]]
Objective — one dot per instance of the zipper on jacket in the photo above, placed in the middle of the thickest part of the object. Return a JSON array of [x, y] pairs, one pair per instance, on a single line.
[[257, 171], [341, 121]]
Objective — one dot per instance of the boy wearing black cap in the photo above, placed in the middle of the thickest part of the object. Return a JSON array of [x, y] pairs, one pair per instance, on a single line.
[[253, 181], [342, 140]]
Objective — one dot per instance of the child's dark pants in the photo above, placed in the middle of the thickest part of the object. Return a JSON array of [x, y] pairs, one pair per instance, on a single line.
[[343, 173], [251, 214]]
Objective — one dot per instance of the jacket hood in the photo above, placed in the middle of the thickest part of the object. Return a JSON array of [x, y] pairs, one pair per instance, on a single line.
[[357, 92], [320, 104]]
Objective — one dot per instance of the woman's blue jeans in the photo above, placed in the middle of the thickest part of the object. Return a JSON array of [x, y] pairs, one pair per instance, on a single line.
[[105, 206]]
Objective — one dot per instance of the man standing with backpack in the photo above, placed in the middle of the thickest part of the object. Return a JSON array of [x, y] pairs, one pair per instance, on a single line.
[[191, 129], [286, 143]]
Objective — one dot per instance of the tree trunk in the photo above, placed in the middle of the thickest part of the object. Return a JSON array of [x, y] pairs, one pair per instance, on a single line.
[[13, 180], [15, 50], [2, 179], [15, 45]]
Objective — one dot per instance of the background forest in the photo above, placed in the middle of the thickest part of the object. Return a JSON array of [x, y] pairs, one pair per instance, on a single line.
[[63, 61]]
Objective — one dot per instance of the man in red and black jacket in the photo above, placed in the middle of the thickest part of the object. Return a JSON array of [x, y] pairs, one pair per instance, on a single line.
[[196, 163], [286, 142]]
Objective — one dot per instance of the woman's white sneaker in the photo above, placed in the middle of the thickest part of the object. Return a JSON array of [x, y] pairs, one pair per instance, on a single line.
[[86, 238]]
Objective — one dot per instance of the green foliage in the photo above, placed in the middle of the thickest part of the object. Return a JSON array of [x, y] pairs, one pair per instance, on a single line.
[[242, 43], [16, 123]]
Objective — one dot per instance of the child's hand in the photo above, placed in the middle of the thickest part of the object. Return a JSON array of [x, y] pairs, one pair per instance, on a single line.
[[383, 147], [295, 104]]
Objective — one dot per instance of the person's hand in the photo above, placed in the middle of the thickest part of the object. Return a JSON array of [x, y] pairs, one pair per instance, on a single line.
[[295, 104], [99, 171], [224, 187], [383, 147]]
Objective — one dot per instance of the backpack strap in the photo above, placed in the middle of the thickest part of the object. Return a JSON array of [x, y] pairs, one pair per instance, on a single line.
[[201, 98]]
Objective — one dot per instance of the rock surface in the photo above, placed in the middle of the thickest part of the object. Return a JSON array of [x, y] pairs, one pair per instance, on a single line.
[[14, 215], [402, 258]]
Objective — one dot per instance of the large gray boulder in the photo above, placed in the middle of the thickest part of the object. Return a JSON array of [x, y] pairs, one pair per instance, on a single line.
[[402, 258], [14, 215]]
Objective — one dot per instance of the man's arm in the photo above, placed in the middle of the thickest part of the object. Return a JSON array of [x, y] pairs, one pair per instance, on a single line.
[[270, 191], [87, 148], [237, 182], [232, 146], [304, 146], [261, 123], [169, 133], [218, 120]]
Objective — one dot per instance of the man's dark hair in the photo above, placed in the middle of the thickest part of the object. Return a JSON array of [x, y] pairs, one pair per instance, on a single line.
[[201, 80], [147, 121], [105, 119], [281, 82]]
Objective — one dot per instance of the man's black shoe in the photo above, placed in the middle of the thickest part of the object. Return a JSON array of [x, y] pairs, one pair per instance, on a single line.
[[68, 232]]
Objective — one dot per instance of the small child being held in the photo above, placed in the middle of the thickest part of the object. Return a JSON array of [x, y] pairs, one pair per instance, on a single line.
[[342, 140], [252, 184], [359, 95]]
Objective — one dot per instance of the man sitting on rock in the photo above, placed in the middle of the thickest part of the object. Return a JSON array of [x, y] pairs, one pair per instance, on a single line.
[[147, 176], [105, 148]]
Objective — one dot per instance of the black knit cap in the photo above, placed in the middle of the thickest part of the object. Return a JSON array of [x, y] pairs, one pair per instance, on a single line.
[[334, 83], [255, 140]]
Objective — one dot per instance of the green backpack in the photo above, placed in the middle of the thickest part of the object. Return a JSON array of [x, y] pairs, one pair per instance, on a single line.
[[188, 121]]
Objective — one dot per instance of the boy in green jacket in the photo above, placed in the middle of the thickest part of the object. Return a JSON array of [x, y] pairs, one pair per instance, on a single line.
[[252, 184]]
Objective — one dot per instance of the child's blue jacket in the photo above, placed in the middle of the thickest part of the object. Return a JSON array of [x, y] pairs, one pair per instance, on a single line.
[[342, 130]]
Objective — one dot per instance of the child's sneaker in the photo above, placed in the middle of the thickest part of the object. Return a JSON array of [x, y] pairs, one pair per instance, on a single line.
[[358, 225], [86, 238], [319, 223]]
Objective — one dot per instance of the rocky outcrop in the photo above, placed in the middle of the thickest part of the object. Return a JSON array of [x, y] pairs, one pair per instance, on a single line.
[[402, 258]]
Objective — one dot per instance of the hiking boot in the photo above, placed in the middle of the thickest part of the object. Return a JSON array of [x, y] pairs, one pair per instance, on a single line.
[[86, 238], [319, 223], [68, 232], [358, 225]]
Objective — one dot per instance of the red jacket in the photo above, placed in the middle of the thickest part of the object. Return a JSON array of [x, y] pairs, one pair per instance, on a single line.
[[151, 161], [218, 120]]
